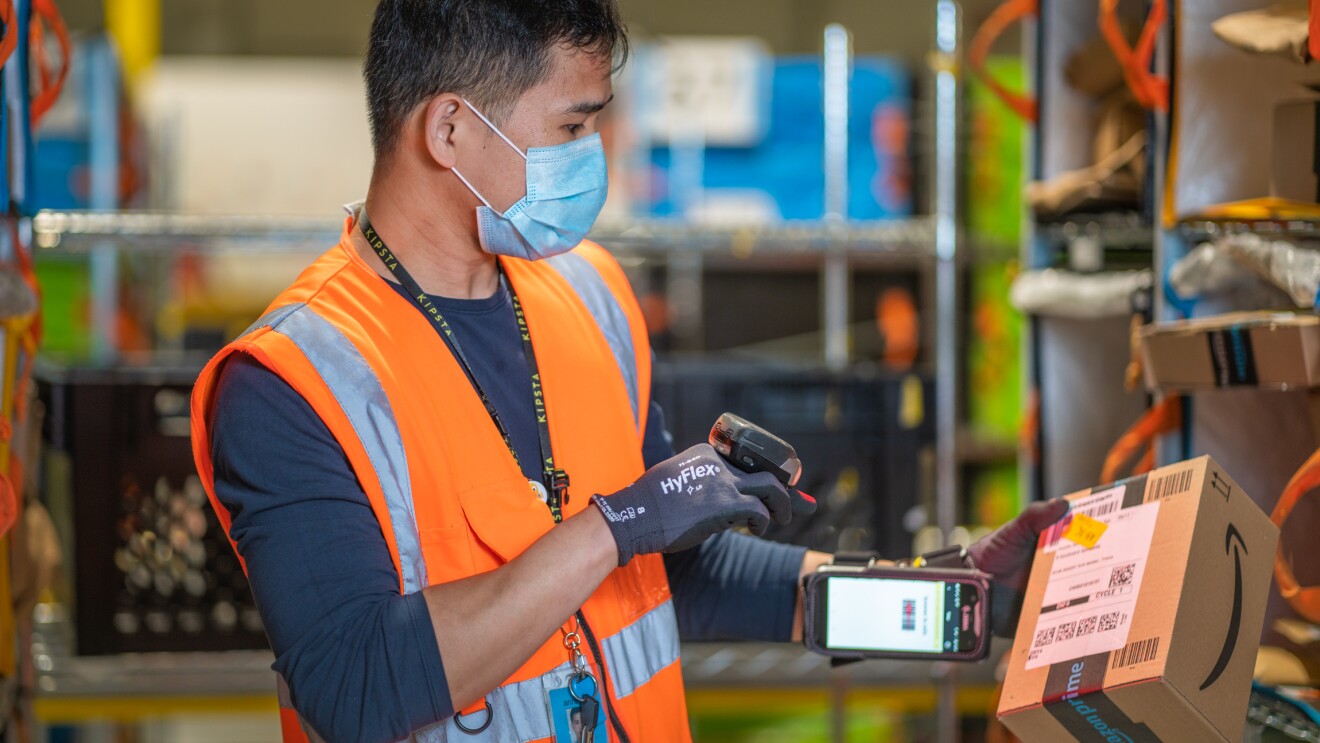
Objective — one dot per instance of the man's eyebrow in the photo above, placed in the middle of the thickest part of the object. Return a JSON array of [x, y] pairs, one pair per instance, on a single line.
[[589, 107]]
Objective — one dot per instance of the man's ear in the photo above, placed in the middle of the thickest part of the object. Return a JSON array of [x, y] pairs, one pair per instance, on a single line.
[[439, 119]]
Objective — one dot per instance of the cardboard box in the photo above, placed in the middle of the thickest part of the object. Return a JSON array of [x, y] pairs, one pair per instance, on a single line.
[[1294, 159], [1150, 635], [1268, 350]]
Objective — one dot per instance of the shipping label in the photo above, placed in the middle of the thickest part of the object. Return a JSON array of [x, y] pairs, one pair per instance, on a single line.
[[1092, 592]]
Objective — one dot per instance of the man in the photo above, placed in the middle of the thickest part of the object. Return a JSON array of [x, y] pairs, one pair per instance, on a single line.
[[575, 723], [437, 455]]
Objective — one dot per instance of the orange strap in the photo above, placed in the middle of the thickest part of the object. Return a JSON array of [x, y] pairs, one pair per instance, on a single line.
[[1164, 417], [1306, 600], [1313, 39], [1150, 90], [9, 41], [1004, 16], [50, 89]]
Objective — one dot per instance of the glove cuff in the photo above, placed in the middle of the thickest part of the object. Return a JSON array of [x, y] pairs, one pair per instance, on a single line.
[[634, 520], [1005, 608]]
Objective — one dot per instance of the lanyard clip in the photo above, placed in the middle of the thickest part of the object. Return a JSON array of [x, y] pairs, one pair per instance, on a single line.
[[558, 481]]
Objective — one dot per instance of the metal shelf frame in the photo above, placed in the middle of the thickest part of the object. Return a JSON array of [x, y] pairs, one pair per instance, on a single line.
[[80, 231]]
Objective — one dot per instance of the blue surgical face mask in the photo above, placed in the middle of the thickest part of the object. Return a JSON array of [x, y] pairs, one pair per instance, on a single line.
[[566, 189]]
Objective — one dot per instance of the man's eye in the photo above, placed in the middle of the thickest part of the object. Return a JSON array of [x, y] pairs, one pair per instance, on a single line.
[[574, 129]]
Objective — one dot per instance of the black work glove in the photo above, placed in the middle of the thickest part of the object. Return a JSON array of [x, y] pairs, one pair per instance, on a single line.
[[680, 502], [1006, 555]]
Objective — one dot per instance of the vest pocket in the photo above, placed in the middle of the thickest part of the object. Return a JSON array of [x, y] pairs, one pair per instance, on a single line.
[[505, 516], [448, 552]]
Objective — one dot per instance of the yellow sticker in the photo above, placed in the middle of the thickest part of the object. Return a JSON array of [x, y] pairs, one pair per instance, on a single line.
[[1085, 530]]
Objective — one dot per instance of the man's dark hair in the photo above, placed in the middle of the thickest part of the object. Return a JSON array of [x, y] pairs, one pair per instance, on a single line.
[[489, 51]]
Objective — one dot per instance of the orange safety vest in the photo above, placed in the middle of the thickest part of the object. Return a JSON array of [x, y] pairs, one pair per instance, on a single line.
[[450, 501]]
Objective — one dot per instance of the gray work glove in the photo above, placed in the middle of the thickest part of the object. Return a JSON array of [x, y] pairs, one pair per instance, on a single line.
[[1006, 555], [680, 502]]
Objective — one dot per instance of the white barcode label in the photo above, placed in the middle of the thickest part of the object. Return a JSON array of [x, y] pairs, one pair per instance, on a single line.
[[1171, 485], [1091, 595], [1141, 651]]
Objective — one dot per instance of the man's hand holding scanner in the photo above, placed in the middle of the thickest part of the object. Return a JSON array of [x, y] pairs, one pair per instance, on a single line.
[[743, 478]]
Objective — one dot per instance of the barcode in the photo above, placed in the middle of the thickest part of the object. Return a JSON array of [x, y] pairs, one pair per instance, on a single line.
[[1044, 637], [1101, 509], [909, 615], [1122, 576], [1140, 651], [1171, 485]]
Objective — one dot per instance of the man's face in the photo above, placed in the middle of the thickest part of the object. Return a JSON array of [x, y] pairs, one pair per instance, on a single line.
[[575, 723], [563, 107]]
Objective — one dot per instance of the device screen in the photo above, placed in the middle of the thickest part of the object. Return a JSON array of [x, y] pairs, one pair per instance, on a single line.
[[894, 615]]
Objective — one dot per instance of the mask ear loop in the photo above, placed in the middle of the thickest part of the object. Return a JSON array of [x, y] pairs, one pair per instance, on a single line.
[[474, 191], [495, 129], [498, 133]]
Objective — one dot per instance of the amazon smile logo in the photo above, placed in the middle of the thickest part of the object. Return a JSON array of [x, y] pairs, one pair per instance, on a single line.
[[1235, 620]]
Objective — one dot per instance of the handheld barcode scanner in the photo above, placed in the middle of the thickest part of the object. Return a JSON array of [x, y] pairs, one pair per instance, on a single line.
[[751, 448]]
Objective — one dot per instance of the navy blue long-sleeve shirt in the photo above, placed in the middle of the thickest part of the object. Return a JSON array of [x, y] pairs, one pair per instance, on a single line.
[[361, 660]]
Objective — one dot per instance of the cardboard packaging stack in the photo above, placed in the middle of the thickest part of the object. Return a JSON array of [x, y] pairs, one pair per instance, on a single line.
[[1149, 633]]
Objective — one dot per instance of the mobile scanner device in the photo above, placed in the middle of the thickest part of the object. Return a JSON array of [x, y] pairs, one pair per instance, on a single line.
[[751, 448], [904, 613]]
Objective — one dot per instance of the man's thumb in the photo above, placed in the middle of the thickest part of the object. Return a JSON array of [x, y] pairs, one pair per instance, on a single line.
[[1042, 515]]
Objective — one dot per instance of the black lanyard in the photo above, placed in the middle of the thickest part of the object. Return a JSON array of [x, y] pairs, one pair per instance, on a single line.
[[553, 479]]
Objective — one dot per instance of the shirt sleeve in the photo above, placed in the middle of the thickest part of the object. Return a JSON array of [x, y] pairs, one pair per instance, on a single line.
[[735, 586], [732, 586], [361, 660], [657, 442]]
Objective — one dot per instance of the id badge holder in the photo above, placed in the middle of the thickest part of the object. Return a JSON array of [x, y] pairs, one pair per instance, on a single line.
[[565, 705]]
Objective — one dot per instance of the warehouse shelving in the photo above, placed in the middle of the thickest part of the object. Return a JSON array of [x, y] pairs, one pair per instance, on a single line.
[[78, 231], [1282, 228], [1259, 436]]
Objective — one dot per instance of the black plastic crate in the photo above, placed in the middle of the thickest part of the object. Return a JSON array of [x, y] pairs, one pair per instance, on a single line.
[[860, 452], [153, 571]]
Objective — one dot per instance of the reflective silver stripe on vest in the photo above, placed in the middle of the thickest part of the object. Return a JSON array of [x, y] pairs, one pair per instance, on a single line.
[[518, 712], [642, 649], [273, 318], [605, 309], [362, 398]]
